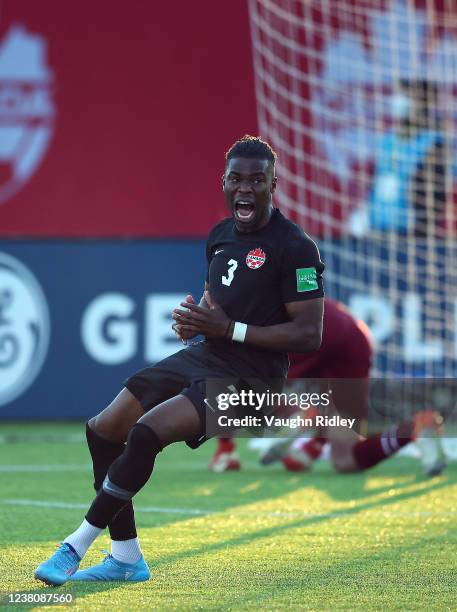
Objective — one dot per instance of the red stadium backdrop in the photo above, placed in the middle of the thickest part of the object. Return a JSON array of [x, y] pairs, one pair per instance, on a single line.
[[114, 116]]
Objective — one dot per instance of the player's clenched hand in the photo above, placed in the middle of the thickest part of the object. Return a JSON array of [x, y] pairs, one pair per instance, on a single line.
[[211, 322], [182, 334]]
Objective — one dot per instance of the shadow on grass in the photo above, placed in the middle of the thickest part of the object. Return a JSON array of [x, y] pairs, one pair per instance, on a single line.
[[320, 575], [324, 480], [318, 582], [392, 475], [254, 485], [302, 522], [353, 486], [313, 582]]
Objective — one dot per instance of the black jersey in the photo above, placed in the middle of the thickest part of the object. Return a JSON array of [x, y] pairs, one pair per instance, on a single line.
[[251, 275]]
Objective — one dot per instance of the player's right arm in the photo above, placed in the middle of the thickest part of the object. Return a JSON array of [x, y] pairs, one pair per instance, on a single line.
[[181, 333], [185, 333]]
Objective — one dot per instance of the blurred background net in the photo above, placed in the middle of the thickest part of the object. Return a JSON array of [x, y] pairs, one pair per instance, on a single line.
[[359, 101]]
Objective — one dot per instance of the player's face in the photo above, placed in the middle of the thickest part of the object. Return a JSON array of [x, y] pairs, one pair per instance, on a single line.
[[248, 186]]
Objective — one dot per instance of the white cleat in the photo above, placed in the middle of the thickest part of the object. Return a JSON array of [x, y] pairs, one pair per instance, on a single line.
[[432, 454], [429, 426], [225, 462]]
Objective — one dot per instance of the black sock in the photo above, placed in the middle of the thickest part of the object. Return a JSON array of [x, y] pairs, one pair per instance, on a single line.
[[104, 453], [126, 476]]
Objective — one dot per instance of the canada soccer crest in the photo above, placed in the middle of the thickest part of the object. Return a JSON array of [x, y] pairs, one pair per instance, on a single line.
[[26, 108], [255, 258]]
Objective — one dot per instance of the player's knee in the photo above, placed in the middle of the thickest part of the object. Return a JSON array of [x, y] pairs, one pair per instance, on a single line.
[[143, 438], [117, 419], [108, 428], [133, 468], [92, 423], [164, 430], [100, 426]]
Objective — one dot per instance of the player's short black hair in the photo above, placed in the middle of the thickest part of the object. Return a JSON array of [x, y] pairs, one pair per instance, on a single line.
[[251, 147]]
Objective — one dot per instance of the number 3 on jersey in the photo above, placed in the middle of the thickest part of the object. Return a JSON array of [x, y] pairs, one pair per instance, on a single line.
[[227, 280]]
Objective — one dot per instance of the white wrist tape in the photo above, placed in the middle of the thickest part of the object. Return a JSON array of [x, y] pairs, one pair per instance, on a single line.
[[239, 332]]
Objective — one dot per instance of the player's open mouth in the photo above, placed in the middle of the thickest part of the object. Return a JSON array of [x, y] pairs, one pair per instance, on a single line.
[[244, 211]]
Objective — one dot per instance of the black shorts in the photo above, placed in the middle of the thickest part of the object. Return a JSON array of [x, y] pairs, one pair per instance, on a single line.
[[187, 373]]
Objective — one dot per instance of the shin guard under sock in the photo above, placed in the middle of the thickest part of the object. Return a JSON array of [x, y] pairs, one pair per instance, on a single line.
[[104, 453], [126, 476]]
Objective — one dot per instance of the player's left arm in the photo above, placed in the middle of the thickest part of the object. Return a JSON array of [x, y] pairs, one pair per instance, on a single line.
[[302, 334], [302, 294]]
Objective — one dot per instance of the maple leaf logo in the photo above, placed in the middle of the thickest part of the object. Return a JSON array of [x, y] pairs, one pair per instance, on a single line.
[[255, 258]]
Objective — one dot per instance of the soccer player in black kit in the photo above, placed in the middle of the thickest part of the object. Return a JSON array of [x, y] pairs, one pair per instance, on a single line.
[[263, 298]]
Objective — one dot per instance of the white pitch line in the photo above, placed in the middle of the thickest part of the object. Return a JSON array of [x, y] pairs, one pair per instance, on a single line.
[[197, 512], [40, 504], [62, 467], [79, 467], [65, 505]]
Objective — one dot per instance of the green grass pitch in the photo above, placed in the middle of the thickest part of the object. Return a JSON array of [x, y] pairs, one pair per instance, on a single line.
[[258, 539]]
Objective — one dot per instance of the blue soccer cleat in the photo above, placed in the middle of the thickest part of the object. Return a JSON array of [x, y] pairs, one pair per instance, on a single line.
[[60, 567], [112, 569]]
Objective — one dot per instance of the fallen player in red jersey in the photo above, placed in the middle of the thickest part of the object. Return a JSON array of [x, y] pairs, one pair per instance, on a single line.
[[345, 353]]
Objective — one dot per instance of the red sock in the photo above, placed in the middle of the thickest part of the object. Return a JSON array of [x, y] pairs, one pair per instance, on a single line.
[[314, 446], [374, 449], [226, 445]]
